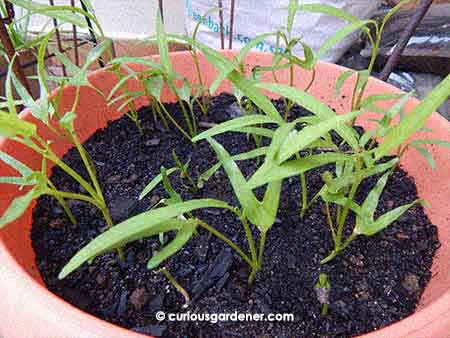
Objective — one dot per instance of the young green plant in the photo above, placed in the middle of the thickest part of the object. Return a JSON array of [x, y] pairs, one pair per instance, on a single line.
[[25, 133], [322, 289]]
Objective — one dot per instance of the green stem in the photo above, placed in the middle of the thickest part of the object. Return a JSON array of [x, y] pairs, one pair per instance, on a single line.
[[291, 84], [194, 120], [177, 285], [262, 241], [135, 118], [73, 174], [330, 223], [161, 105], [338, 213], [64, 205], [304, 194], [228, 241], [88, 165], [375, 48], [70, 195], [336, 251], [183, 108], [316, 196], [251, 242], [344, 214], [201, 103], [156, 105]]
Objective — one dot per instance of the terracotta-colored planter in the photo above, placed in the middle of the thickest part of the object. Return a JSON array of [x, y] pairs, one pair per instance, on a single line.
[[28, 309]]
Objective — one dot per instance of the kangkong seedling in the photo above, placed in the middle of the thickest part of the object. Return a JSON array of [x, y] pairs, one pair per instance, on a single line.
[[322, 289], [26, 134]]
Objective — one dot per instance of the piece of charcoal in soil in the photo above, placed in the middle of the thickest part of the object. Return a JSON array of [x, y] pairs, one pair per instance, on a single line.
[[375, 281]]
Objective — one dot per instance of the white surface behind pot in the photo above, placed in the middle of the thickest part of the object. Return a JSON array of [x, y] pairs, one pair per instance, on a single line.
[[126, 19]]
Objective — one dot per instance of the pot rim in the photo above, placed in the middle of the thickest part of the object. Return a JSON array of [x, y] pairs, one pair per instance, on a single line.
[[427, 315]]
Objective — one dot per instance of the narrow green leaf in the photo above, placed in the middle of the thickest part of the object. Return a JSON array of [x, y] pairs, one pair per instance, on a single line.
[[349, 177], [366, 137], [245, 196], [39, 110], [340, 35], [187, 230], [395, 110], [43, 86], [153, 183], [425, 153], [184, 92], [298, 140], [329, 10], [14, 180], [232, 125], [270, 205], [431, 141], [415, 120], [340, 81], [175, 198], [256, 131], [371, 202], [163, 45], [136, 60], [205, 176], [307, 63], [392, 12], [71, 67], [78, 76], [9, 88], [266, 174], [146, 224], [11, 125], [63, 13], [363, 77], [17, 208], [95, 53], [250, 90], [314, 105], [338, 199], [292, 10], [15, 164], [370, 229], [370, 100], [154, 86], [228, 67], [250, 45], [120, 84]]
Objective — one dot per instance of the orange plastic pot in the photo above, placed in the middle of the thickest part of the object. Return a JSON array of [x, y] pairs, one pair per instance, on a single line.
[[28, 309]]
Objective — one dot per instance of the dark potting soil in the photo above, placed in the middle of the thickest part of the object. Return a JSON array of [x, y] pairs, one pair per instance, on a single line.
[[374, 282]]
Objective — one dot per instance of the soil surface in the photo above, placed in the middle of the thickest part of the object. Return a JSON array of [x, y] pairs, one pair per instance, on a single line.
[[374, 282]]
